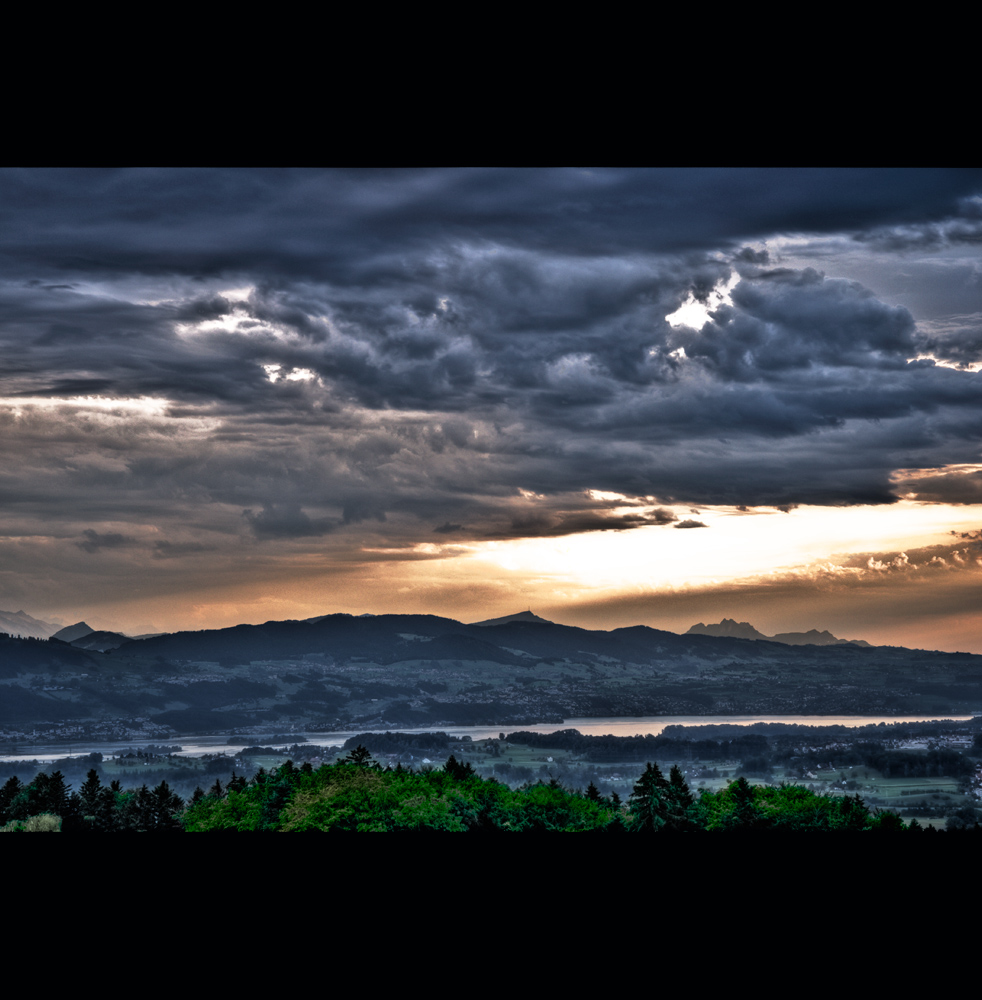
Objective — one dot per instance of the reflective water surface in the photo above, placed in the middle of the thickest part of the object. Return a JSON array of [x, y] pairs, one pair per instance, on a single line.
[[196, 746]]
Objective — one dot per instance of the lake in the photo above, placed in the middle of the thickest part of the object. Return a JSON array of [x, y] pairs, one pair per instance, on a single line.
[[196, 746]]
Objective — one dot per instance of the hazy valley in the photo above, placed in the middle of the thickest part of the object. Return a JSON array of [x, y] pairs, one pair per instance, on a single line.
[[422, 671]]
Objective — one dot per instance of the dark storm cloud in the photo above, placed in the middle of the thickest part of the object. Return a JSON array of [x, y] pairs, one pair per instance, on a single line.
[[350, 223], [371, 353], [932, 235], [751, 256], [788, 320], [73, 343], [557, 523], [957, 341], [956, 486], [286, 521], [94, 542], [211, 307], [177, 550]]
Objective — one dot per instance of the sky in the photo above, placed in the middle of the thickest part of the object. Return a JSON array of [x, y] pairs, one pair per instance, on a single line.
[[613, 396]]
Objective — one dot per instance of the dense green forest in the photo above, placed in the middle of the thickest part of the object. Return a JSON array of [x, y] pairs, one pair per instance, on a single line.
[[357, 795]]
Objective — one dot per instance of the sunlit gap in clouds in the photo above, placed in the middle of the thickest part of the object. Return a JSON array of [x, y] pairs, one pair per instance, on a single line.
[[141, 414], [900, 476], [736, 544], [230, 324], [695, 314], [238, 321], [962, 366], [147, 406], [275, 372]]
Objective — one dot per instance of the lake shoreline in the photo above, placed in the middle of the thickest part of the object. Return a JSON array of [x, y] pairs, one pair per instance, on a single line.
[[200, 744]]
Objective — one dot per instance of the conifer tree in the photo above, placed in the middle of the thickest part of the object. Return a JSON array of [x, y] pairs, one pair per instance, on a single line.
[[11, 789], [679, 802], [236, 783], [164, 808], [91, 799], [649, 800], [458, 769], [135, 811], [360, 755], [745, 813]]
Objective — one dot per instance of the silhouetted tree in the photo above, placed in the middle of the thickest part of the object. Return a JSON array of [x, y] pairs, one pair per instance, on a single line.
[[11, 789], [458, 769], [361, 756], [745, 815], [649, 800], [678, 801], [165, 807]]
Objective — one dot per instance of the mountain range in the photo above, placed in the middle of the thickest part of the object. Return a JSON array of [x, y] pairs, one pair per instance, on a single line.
[[339, 670], [84, 636], [21, 623], [81, 635], [744, 630]]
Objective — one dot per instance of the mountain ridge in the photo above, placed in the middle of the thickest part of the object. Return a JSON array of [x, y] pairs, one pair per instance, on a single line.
[[729, 628], [521, 616], [418, 671], [21, 623]]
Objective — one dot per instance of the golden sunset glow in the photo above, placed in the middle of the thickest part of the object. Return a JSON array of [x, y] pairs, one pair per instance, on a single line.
[[620, 396]]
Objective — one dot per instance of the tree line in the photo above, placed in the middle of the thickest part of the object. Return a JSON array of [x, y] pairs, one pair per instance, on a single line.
[[94, 808], [356, 794]]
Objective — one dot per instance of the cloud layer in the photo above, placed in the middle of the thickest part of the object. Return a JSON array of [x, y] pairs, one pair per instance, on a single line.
[[203, 368]]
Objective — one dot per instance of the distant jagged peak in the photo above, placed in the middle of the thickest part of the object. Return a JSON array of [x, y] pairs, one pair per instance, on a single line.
[[815, 638], [812, 635], [522, 616], [72, 632], [728, 628], [22, 624]]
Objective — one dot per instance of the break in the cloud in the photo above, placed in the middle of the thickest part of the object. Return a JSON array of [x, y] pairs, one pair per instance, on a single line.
[[218, 374], [921, 597]]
